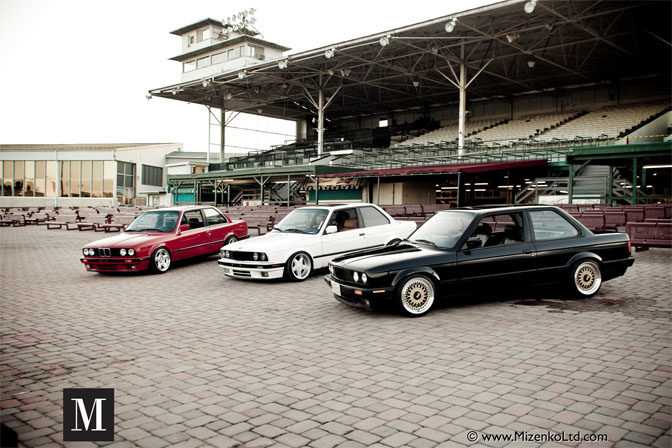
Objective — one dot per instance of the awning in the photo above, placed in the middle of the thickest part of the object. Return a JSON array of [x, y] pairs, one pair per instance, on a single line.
[[336, 183], [442, 169]]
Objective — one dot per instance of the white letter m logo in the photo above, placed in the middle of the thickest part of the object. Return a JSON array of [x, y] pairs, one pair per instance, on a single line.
[[80, 409]]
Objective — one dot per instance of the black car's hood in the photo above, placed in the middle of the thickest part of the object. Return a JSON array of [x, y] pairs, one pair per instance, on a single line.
[[388, 258]]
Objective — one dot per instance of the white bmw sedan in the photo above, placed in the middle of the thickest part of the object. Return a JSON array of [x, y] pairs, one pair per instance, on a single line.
[[308, 238]]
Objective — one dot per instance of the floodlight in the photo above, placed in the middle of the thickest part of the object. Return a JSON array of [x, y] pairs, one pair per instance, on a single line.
[[529, 6], [531, 63], [450, 26], [242, 75], [207, 83], [283, 64], [330, 53], [149, 97], [384, 41]]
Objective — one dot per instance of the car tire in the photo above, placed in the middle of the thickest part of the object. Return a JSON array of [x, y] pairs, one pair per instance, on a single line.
[[298, 267], [415, 296], [230, 240], [160, 261], [586, 278]]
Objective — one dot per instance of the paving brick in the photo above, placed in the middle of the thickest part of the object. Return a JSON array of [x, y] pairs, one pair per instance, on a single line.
[[279, 363]]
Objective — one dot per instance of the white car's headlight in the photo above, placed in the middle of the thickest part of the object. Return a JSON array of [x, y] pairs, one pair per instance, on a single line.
[[122, 252], [255, 256], [227, 254], [131, 252], [263, 257], [355, 276]]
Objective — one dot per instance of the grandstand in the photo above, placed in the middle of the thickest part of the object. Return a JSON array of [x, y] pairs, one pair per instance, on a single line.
[[568, 102]]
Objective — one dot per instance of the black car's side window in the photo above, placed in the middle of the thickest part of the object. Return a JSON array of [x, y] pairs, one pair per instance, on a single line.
[[194, 219], [344, 219], [549, 225], [500, 230]]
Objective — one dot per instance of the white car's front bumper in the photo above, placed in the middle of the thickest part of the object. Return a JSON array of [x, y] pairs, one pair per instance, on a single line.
[[245, 270]]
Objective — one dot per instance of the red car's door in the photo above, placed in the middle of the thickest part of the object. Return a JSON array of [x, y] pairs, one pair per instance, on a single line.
[[217, 229], [191, 242]]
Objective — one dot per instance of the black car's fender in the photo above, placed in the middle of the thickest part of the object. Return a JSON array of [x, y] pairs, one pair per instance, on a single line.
[[411, 271], [583, 256]]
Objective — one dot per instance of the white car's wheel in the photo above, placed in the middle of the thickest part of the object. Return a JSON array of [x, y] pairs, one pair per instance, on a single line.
[[586, 278], [415, 296], [298, 267], [160, 261]]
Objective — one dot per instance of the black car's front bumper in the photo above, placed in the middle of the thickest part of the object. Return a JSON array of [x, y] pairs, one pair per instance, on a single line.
[[356, 296]]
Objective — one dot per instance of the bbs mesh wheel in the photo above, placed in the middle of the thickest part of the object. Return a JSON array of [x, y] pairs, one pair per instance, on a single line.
[[415, 296], [586, 278]]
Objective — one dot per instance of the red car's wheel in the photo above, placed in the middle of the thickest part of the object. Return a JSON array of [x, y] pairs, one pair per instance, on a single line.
[[160, 261]]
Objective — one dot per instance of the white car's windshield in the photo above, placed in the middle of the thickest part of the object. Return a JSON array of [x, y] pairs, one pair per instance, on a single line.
[[303, 221], [154, 221], [443, 230]]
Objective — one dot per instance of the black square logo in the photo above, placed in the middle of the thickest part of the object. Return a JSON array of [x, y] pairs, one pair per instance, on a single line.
[[88, 415]]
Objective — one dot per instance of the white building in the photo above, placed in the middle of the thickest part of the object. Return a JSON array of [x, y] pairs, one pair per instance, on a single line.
[[85, 174], [210, 47]]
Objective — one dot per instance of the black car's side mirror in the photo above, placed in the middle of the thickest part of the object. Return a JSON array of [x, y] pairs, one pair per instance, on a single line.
[[474, 242]]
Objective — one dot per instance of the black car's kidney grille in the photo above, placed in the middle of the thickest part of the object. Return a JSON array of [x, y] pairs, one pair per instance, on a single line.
[[339, 273], [241, 256]]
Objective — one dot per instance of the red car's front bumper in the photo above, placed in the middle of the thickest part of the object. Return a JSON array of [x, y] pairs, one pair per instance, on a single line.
[[115, 264]]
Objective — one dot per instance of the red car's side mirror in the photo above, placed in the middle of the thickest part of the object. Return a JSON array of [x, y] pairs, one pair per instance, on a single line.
[[183, 227]]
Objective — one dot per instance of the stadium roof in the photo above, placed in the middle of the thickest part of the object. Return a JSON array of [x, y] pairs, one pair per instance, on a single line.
[[507, 52]]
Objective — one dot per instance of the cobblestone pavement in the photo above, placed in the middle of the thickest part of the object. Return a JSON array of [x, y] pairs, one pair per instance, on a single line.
[[199, 359]]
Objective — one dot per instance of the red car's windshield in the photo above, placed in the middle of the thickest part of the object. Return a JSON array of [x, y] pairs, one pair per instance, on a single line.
[[155, 221]]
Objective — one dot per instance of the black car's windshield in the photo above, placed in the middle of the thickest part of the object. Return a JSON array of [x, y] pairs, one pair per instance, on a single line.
[[443, 229], [303, 221], [155, 221]]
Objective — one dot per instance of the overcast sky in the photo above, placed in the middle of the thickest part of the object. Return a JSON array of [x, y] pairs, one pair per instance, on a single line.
[[77, 71]]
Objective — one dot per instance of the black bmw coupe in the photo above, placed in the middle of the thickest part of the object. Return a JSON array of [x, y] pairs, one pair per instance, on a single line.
[[467, 250]]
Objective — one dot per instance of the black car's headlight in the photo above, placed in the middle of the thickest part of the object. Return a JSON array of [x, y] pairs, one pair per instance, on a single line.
[[355, 276], [364, 278], [331, 269]]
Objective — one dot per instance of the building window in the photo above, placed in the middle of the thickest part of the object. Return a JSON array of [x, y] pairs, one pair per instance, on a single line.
[[234, 53], [97, 179], [30, 178], [65, 177], [190, 40], [205, 34], [125, 182], [257, 52], [18, 178], [86, 178], [52, 178], [7, 178], [75, 177], [219, 58], [108, 178], [203, 62], [189, 66], [152, 175], [40, 178]]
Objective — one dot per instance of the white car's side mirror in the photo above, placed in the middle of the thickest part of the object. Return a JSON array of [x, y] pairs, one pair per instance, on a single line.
[[331, 229]]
